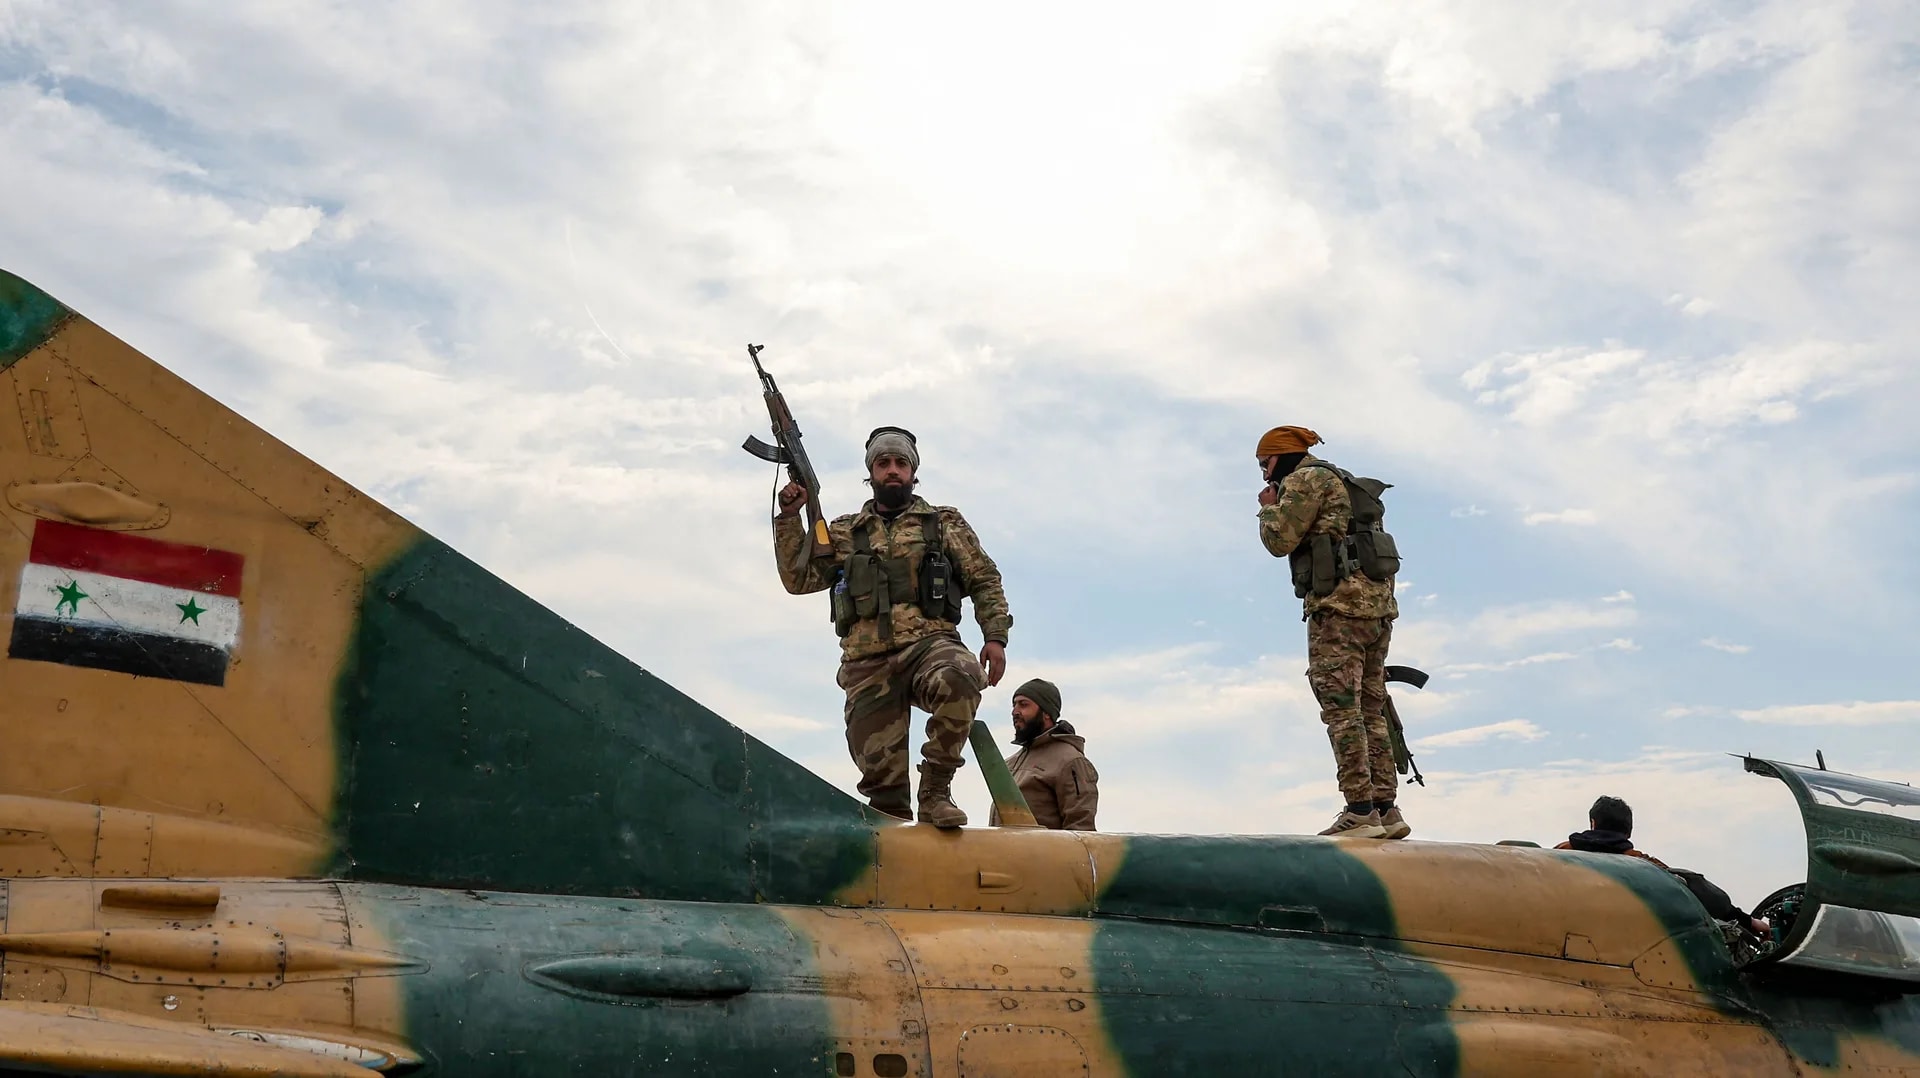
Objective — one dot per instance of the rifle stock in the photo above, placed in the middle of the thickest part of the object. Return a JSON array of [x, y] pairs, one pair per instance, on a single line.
[[819, 540]]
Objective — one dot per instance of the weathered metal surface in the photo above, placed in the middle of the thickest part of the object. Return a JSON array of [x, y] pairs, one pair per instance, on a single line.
[[539, 858]]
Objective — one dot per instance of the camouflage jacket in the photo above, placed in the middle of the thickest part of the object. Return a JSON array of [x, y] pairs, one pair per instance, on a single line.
[[979, 576], [1313, 501]]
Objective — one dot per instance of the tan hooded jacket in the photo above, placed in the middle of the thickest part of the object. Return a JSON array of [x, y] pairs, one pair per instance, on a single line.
[[1058, 781]]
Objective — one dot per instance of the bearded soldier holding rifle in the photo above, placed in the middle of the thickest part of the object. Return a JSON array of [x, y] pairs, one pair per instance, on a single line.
[[898, 570]]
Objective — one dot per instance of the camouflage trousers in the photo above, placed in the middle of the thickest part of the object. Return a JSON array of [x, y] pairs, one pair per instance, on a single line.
[[937, 675], [1346, 666]]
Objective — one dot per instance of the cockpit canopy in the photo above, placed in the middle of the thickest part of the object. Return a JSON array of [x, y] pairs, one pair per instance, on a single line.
[[1859, 913]]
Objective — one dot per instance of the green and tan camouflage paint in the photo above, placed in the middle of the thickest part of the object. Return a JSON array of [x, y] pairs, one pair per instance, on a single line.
[[586, 872]]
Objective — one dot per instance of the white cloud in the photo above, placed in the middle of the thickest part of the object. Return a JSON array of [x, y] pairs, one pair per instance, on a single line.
[[1856, 713], [1718, 644], [1142, 698], [1694, 306], [1648, 264], [1461, 647], [1462, 669], [1564, 516], [1547, 386], [1510, 730], [1505, 626]]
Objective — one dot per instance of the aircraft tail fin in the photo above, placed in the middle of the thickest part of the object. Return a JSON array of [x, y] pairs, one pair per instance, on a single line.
[[224, 660]]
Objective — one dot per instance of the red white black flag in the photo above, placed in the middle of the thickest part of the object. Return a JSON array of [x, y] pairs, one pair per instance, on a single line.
[[122, 602]]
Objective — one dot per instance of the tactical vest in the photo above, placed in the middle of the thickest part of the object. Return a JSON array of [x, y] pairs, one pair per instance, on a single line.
[[870, 585], [1322, 561]]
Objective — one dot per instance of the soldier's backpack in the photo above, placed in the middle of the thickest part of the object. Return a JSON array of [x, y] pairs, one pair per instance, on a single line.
[[1368, 546]]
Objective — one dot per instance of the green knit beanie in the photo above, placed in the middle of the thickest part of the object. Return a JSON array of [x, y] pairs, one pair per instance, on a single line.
[[1044, 693]]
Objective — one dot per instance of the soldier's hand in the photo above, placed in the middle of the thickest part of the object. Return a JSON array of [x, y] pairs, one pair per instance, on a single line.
[[1269, 494], [994, 658], [791, 497]]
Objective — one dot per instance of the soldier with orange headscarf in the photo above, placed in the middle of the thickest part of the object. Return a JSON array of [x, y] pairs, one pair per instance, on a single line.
[[1345, 582]]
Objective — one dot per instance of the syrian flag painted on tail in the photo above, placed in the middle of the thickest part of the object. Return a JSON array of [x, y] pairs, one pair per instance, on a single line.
[[121, 602]]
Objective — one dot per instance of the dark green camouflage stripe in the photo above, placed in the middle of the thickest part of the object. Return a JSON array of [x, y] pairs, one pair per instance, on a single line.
[[487, 742], [1312, 977], [28, 317], [490, 1000]]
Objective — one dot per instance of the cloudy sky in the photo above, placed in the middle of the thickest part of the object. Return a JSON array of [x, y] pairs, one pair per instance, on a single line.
[[1621, 299]]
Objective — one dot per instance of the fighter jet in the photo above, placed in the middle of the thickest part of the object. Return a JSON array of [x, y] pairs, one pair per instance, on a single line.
[[289, 787]]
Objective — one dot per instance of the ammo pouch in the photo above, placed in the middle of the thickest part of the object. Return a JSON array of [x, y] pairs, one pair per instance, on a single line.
[[870, 585], [1375, 553], [863, 584], [1301, 564], [1366, 548], [864, 590], [1317, 567], [940, 587]]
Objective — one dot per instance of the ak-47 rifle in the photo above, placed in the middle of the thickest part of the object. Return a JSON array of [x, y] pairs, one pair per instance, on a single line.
[[1402, 756], [787, 450]]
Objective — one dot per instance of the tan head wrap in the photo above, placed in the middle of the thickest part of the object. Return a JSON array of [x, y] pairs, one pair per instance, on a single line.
[[1281, 440]]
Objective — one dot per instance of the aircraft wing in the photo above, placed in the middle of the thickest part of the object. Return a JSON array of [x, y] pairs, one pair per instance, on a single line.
[[62, 1039]]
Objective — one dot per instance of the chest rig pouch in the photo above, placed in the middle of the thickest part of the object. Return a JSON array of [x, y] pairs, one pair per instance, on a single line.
[[870, 585], [1322, 561], [1317, 566]]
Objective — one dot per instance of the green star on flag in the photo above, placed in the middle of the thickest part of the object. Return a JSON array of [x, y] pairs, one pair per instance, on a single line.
[[190, 609], [70, 595]]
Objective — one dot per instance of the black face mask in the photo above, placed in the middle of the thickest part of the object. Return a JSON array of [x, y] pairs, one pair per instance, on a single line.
[[1283, 466]]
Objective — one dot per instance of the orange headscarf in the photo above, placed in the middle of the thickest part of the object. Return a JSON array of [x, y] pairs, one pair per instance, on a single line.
[[1281, 440]]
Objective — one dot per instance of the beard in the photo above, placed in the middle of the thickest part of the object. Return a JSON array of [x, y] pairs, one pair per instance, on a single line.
[[892, 495], [1025, 732]]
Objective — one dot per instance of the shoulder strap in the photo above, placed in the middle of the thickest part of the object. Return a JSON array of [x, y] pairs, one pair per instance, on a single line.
[[1364, 507], [862, 544], [1375, 487]]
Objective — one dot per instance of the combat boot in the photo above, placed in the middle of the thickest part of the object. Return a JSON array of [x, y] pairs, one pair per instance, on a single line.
[[936, 798], [1394, 824], [1350, 824]]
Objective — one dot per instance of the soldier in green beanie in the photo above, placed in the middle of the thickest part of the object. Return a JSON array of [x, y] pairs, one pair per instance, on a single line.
[[1053, 772]]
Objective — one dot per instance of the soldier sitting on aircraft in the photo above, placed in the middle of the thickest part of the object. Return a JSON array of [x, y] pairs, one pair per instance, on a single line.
[[1051, 768], [1610, 830]]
